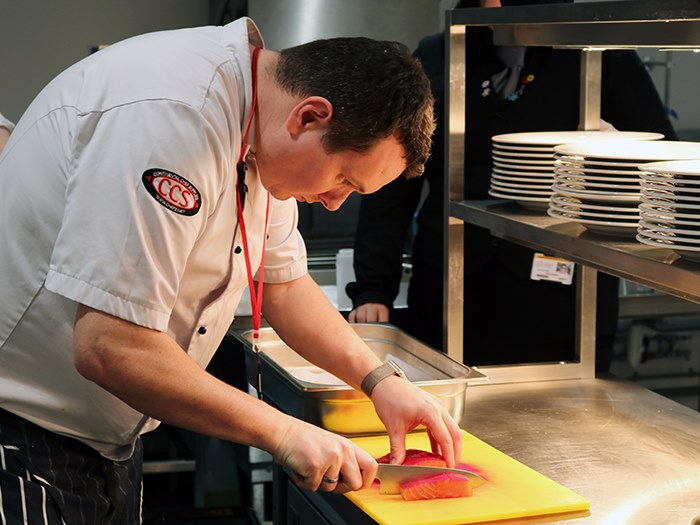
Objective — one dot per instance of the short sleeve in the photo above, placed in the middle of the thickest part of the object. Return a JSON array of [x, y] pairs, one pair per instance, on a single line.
[[285, 253], [124, 241]]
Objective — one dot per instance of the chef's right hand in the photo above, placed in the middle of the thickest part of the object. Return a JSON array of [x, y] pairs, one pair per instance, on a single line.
[[314, 455], [370, 313]]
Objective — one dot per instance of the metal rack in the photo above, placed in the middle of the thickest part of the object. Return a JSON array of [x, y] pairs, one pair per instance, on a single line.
[[591, 27]]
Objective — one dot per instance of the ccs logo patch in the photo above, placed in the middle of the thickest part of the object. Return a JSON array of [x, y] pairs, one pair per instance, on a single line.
[[172, 191]]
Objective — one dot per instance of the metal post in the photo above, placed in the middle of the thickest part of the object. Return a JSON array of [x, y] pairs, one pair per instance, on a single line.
[[586, 285], [586, 282], [589, 103], [453, 285]]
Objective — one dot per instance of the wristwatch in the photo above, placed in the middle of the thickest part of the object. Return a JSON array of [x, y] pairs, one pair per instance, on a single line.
[[381, 372]]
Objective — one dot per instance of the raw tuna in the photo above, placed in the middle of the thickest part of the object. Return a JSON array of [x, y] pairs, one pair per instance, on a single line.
[[432, 486]]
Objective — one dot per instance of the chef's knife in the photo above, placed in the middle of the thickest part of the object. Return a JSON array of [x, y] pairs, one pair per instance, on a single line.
[[390, 476]]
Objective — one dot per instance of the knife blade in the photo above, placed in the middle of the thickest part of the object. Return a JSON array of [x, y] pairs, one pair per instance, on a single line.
[[391, 476]]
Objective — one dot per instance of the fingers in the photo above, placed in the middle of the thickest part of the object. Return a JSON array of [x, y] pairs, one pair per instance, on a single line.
[[331, 464], [397, 448], [370, 313], [402, 407], [446, 437]]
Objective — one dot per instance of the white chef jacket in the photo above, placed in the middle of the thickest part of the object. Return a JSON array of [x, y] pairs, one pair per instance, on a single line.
[[118, 192]]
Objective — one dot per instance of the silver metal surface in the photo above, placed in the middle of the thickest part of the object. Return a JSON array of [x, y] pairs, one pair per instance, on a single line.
[[335, 406], [591, 82], [453, 289], [586, 298], [634, 454], [595, 13], [658, 268], [679, 35], [286, 23], [391, 476]]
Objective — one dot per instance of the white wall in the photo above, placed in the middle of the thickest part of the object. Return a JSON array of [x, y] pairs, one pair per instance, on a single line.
[[39, 38]]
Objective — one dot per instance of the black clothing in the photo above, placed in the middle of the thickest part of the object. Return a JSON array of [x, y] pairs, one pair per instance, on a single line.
[[508, 317], [62, 481]]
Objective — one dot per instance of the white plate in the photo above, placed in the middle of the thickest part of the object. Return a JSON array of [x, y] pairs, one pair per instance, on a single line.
[[671, 206], [627, 222], [570, 201], [571, 191], [655, 223], [523, 167], [530, 149], [518, 186], [633, 150], [530, 181], [549, 163], [618, 229], [518, 198], [681, 181], [667, 211], [585, 184], [519, 154], [552, 138], [559, 166], [690, 253], [616, 164], [670, 199], [679, 167], [530, 174], [652, 186], [596, 178], [664, 221], [677, 240], [653, 227], [519, 192], [583, 214]]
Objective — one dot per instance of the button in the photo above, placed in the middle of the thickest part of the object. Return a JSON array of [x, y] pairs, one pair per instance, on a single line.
[[202, 330], [237, 249]]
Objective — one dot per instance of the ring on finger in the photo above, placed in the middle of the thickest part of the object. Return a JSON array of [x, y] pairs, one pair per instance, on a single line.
[[330, 481]]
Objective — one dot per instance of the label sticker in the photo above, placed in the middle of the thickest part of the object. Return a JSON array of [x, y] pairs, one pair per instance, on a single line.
[[172, 191], [546, 268]]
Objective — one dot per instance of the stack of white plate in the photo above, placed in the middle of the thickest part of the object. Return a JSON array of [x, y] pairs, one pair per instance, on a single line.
[[523, 163], [670, 207], [598, 183]]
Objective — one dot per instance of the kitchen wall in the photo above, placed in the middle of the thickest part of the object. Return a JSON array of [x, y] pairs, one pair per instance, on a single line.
[[38, 39]]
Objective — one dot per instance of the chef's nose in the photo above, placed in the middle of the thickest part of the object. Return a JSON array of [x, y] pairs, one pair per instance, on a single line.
[[332, 200]]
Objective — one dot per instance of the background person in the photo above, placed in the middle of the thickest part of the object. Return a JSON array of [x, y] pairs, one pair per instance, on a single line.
[[498, 291], [129, 235], [6, 128]]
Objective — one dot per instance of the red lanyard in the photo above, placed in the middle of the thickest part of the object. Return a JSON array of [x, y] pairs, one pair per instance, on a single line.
[[255, 297]]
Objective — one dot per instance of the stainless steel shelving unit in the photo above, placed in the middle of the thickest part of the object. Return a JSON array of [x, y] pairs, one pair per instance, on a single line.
[[590, 27]]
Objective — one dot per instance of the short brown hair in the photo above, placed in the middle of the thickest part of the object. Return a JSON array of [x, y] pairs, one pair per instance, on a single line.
[[377, 88]]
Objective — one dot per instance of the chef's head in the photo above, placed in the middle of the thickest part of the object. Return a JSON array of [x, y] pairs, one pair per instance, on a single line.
[[349, 115]]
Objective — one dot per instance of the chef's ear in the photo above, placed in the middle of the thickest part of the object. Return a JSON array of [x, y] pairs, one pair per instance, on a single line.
[[311, 113]]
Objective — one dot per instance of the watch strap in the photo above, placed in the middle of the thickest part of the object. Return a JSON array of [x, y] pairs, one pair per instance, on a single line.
[[378, 374]]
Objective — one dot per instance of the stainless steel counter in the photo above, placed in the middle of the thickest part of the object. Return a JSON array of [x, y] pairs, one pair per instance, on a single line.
[[634, 454]]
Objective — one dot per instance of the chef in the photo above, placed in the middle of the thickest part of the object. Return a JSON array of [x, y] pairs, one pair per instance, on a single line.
[[6, 127], [142, 191]]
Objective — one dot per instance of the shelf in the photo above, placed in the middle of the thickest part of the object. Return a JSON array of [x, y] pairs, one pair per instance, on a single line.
[[655, 306], [657, 268], [590, 27], [618, 24]]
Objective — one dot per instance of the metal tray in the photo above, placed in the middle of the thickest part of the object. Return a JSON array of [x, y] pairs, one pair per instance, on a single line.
[[303, 390]]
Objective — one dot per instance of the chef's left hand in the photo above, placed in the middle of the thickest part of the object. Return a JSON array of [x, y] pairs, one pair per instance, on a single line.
[[402, 406]]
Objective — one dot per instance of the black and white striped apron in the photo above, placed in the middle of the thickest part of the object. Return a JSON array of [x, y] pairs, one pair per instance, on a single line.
[[48, 479]]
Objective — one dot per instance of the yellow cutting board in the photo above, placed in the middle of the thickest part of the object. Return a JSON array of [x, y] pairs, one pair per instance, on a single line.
[[512, 490]]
